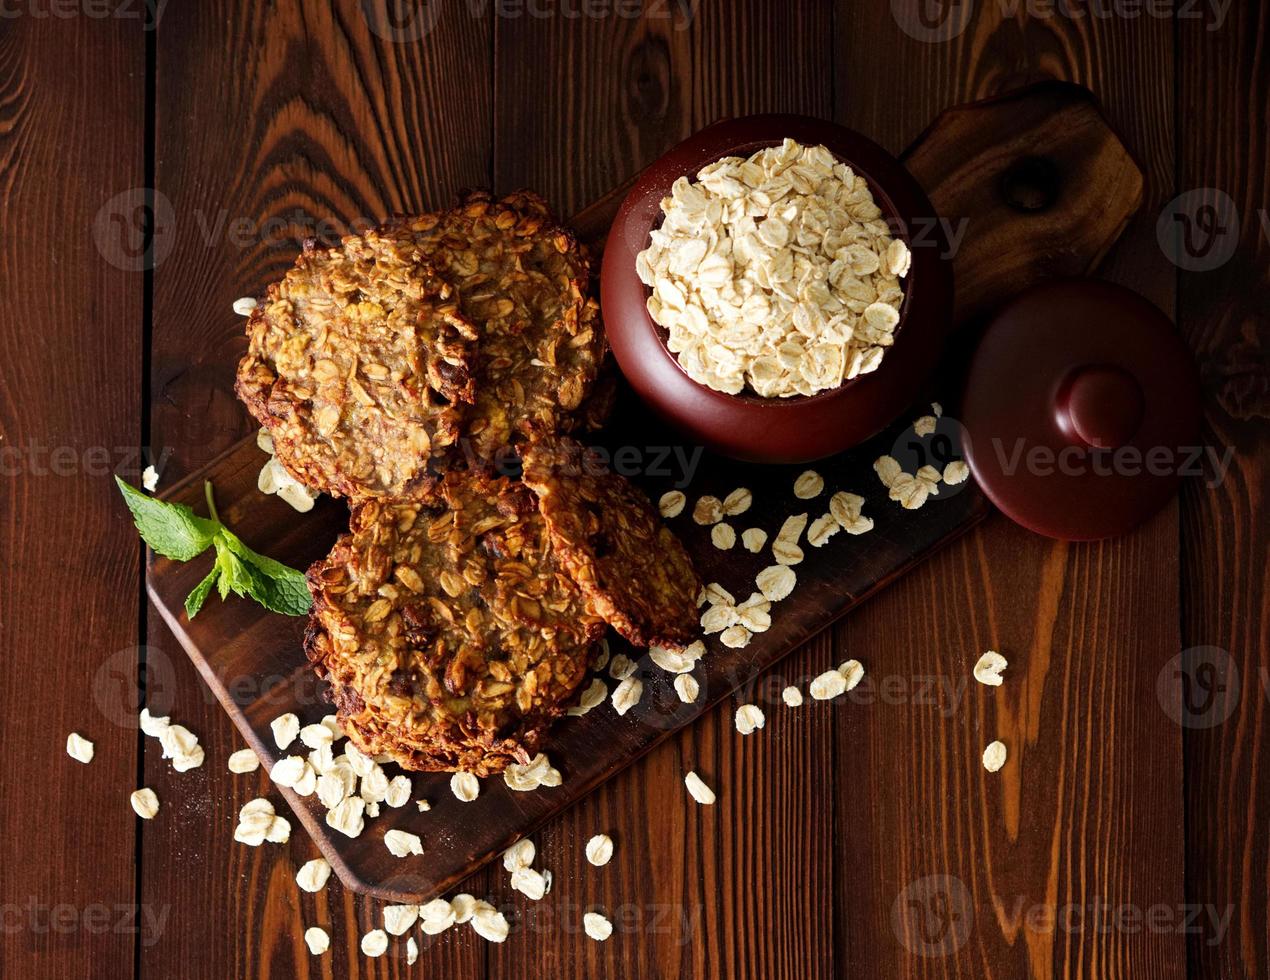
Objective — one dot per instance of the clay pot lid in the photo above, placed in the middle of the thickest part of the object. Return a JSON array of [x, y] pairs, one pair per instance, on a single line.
[[1081, 409]]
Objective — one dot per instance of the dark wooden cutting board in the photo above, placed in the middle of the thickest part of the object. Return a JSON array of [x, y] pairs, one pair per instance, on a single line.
[[1031, 185]]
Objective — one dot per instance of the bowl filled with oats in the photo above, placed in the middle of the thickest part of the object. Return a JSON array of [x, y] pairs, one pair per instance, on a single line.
[[762, 288]]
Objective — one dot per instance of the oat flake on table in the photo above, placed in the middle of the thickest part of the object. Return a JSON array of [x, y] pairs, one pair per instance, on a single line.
[[699, 791], [989, 667], [994, 756], [317, 940], [596, 926], [671, 504], [749, 718], [599, 850], [144, 803], [465, 786], [79, 748], [687, 688], [313, 875]]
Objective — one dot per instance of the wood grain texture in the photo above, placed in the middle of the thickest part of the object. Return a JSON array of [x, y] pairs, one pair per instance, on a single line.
[[71, 150], [1085, 809], [276, 122], [1223, 301], [693, 891]]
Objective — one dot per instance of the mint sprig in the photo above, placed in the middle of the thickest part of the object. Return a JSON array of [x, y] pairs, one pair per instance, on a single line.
[[175, 531]]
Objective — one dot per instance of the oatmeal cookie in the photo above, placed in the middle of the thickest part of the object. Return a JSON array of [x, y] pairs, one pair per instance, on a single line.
[[358, 362], [524, 282], [634, 571], [450, 631]]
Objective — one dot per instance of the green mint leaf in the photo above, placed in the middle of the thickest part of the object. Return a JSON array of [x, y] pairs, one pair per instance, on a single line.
[[194, 601], [275, 586], [170, 529]]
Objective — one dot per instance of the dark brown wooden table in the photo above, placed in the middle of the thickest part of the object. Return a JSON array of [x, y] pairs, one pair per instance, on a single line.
[[152, 173]]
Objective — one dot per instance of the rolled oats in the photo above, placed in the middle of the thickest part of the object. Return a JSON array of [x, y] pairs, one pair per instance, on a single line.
[[677, 661], [244, 305], [621, 667], [144, 803], [399, 918], [243, 761], [530, 883], [465, 787], [627, 694], [348, 816], [313, 875], [599, 850], [956, 472], [519, 855], [775, 273], [808, 485], [792, 696], [754, 538], [737, 502], [776, 582], [317, 940], [398, 793], [671, 504], [285, 729], [828, 686], [401, 843], [438, 915], [687, 688], [786, 552], [822, 529], [792, 529], [708, 510], [989, 668], [994, 756], [489, 923], [316, 736], [924, 426], [852, 672], [79, 748], [887, 469], [596, 926], [717, 595], [735, 637], [592, 697], [152, 726], [723, 536], [716, 619], [698, 790], [749, 717], [375, 943]]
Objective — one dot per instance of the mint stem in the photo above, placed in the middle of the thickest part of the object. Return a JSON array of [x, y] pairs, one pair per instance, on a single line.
[[211, 503]]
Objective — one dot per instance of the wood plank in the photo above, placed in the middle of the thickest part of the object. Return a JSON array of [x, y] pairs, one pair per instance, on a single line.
[[945, 859], [677, 890], [1222, 94], [72, 220], [275, 122]]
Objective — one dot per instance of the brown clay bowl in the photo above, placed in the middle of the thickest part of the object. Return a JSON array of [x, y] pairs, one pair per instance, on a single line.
[[771, 430]]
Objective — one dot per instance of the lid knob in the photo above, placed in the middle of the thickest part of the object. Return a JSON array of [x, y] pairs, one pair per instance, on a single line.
[[1100, 406]]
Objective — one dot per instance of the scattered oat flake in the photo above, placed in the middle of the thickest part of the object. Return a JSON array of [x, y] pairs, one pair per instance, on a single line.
[[244, 760], [530, 883], [597, 927], [677, 661], [989, 667], [627, 694], [313, 875], [315, 736], [937, 410], [708, 510], [792, 528], [519, 855], [144, 803], [994, 756], [317, 940], [412, 951], [152, 726], [399, 918], [465, 786], [822, 529], [79, 748], [924, 426], [244, 305], [687, 688], [852, 672], [753, 539], [285, 729], [438, 915], [776, 582], [735, 637], [489, 923], [749, 718], [398, 794], [599, 850], [150, 479], [375, 943], [699, 791], [348, 817], [463, 905], [717, 595], [808, 485], [671, 504], [723, 536], [887, 469], [593, 696], [956, 472], [402, 843], [621, 667], [828, 685], [792, 696], [737, 502], [423, 805]]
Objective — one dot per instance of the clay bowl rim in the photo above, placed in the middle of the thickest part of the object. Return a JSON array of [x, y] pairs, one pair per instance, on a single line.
[[752, 134]]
